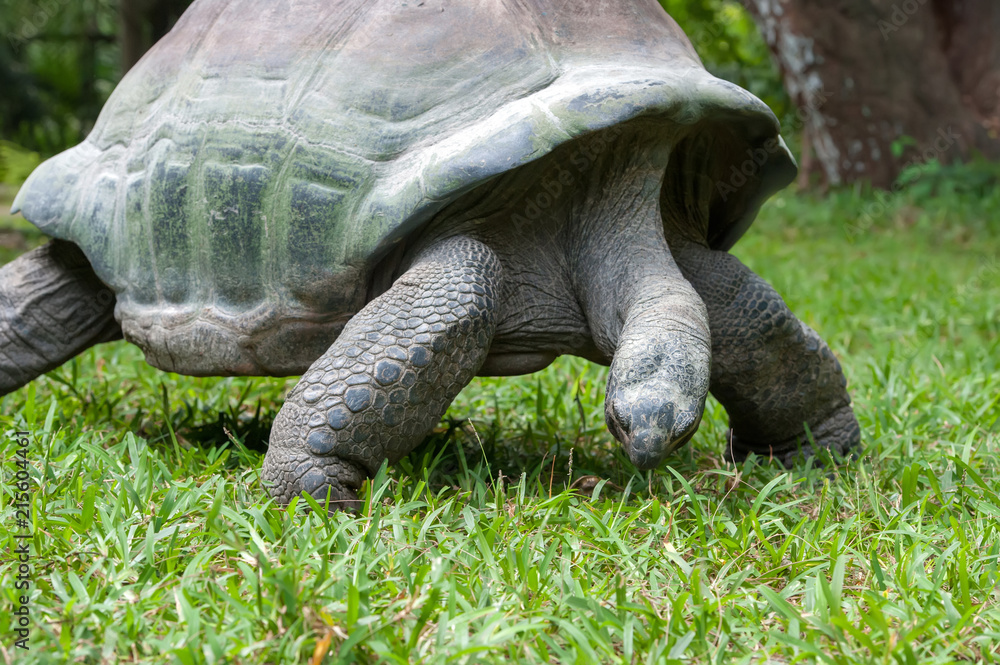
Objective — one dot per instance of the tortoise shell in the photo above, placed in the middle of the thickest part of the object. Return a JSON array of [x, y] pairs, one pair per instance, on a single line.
[[247, 175]]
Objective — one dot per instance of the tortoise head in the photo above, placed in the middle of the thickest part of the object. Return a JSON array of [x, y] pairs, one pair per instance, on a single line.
[[656, 395]]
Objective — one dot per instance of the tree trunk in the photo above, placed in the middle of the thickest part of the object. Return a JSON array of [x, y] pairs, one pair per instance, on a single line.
[[865, 74], [132, 33], [143, 23]]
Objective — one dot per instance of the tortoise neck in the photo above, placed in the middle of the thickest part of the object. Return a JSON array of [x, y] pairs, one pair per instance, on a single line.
[[580, 235], [622, 264]]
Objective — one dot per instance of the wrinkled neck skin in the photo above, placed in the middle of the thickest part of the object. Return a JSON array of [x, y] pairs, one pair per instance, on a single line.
[[587, 271]]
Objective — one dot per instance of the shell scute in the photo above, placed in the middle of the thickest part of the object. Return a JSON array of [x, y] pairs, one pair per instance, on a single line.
[[235, 228], [141, 266], [169, 197]]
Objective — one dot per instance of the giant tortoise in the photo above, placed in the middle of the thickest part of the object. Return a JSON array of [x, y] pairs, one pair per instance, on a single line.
[[394, 197]]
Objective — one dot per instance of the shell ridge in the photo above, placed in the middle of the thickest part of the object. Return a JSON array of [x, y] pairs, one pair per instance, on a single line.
[[361, 10], [148, 230], [280, 253]]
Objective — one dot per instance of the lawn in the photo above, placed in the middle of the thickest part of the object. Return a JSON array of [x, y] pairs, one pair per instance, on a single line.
[[518, 532]]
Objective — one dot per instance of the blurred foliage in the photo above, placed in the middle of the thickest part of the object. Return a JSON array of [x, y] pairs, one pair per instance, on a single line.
[[732, 48], [59, 61], [978, 178], [16, 163]]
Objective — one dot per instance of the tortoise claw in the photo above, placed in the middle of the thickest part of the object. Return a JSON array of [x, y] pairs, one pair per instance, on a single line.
[[333, 482]]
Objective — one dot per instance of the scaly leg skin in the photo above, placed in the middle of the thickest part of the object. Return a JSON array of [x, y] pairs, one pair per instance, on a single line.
[[388, 378], [770, 371], [52, 308]]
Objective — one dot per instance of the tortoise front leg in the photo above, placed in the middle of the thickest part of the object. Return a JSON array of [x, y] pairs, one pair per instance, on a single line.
[[772, 373], [52, 307], [389, 377]]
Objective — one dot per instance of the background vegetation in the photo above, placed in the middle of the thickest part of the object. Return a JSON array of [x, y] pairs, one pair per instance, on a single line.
[[518, 531]]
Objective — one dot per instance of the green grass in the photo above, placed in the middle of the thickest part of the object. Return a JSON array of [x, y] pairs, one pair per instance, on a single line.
[[153, 542]]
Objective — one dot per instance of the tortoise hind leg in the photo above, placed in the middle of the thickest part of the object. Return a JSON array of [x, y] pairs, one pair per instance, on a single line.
[[772, 373], [52, 308], [389, 376]]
